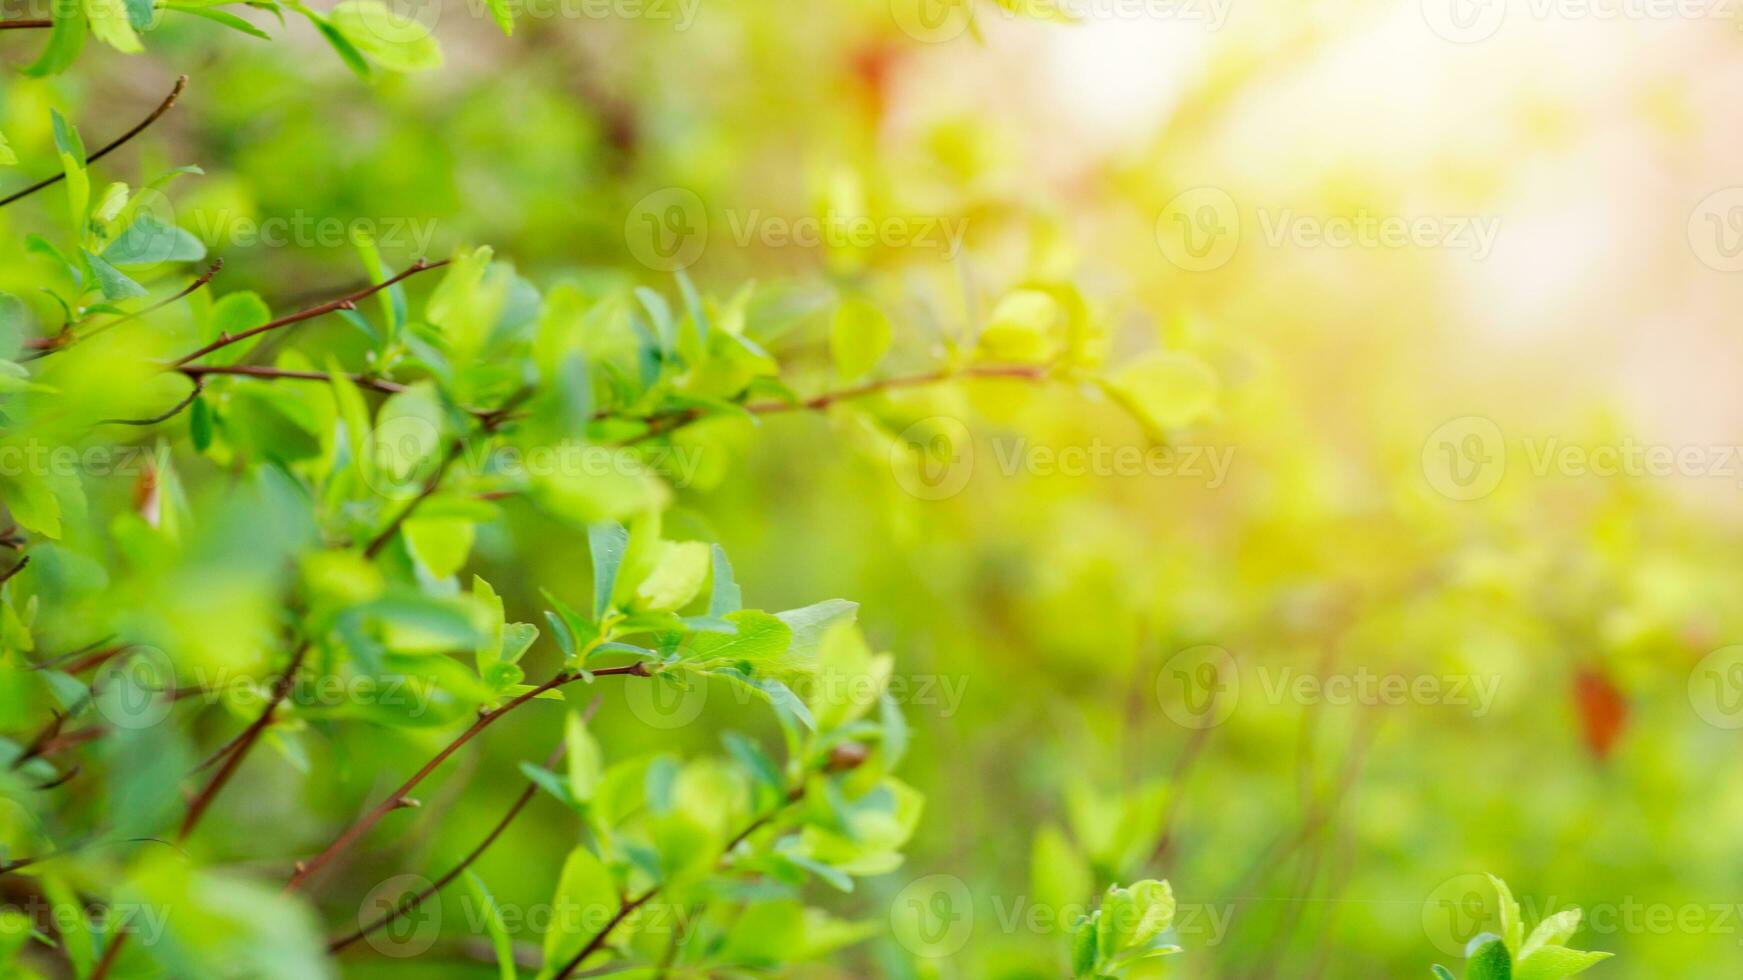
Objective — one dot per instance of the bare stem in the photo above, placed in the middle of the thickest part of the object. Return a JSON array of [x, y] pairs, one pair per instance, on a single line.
[[342, 303], [308, 869], [144, 124]]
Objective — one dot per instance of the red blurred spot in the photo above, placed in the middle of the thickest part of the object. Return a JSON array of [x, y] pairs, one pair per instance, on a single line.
[[873, 65], [1603, 712]]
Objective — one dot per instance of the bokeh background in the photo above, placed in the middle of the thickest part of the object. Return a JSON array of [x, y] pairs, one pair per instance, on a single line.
[[1481, 450]]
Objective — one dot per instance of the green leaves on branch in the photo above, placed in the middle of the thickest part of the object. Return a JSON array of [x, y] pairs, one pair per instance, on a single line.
[[1131, 926], [1513, 955]]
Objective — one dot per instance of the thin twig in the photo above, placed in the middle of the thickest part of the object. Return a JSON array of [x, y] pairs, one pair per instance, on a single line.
[[281, 689], [599, 938], [6, 576], [659, 425], [308, 869], [156, 114], [369, 381], [44, 346], [343, 303], [166, 415], [24, 25], [411, 902], [489, 422]]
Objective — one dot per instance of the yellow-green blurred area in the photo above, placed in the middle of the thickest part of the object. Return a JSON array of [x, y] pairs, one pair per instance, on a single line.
[[1437, 577]]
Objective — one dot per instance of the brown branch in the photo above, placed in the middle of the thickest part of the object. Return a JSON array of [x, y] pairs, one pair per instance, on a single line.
[[238, 749], [24, 25], [489, 422], [270, 373], [168, 103], [167, 414], [348, 302], [659, 425], [6, 576], [599, 938], [44, 346], [308, 869], [413, 901]]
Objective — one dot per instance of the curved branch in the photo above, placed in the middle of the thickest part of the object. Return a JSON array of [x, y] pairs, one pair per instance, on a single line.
[[144, 124], [170, 413], [271, 373], [396, 799], [234, 753], [623, 912], [44, 346], [413, 901], [343, 303]]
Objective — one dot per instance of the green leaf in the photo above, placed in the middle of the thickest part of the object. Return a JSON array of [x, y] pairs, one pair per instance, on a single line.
[[1554, 930], [678, 574], [493, 924], [1166, 389], [606, 541], [391, 39], [585, 898], [758, 639], [113, 25], [858, 338], [586, 764], [1441, 972], [1489, 961], [504, 15], [113, 283], [229, 20], [7, 157], [1556, 962], [1512, 925], [65, 41], [148, 240], [1027, 327], [725, 597]]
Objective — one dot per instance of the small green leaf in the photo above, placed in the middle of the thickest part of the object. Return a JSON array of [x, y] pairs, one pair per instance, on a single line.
[[858, 338], [500, 942], [1490, 961], [606, 541], [391, 39], [148, 240], [585, 762]]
